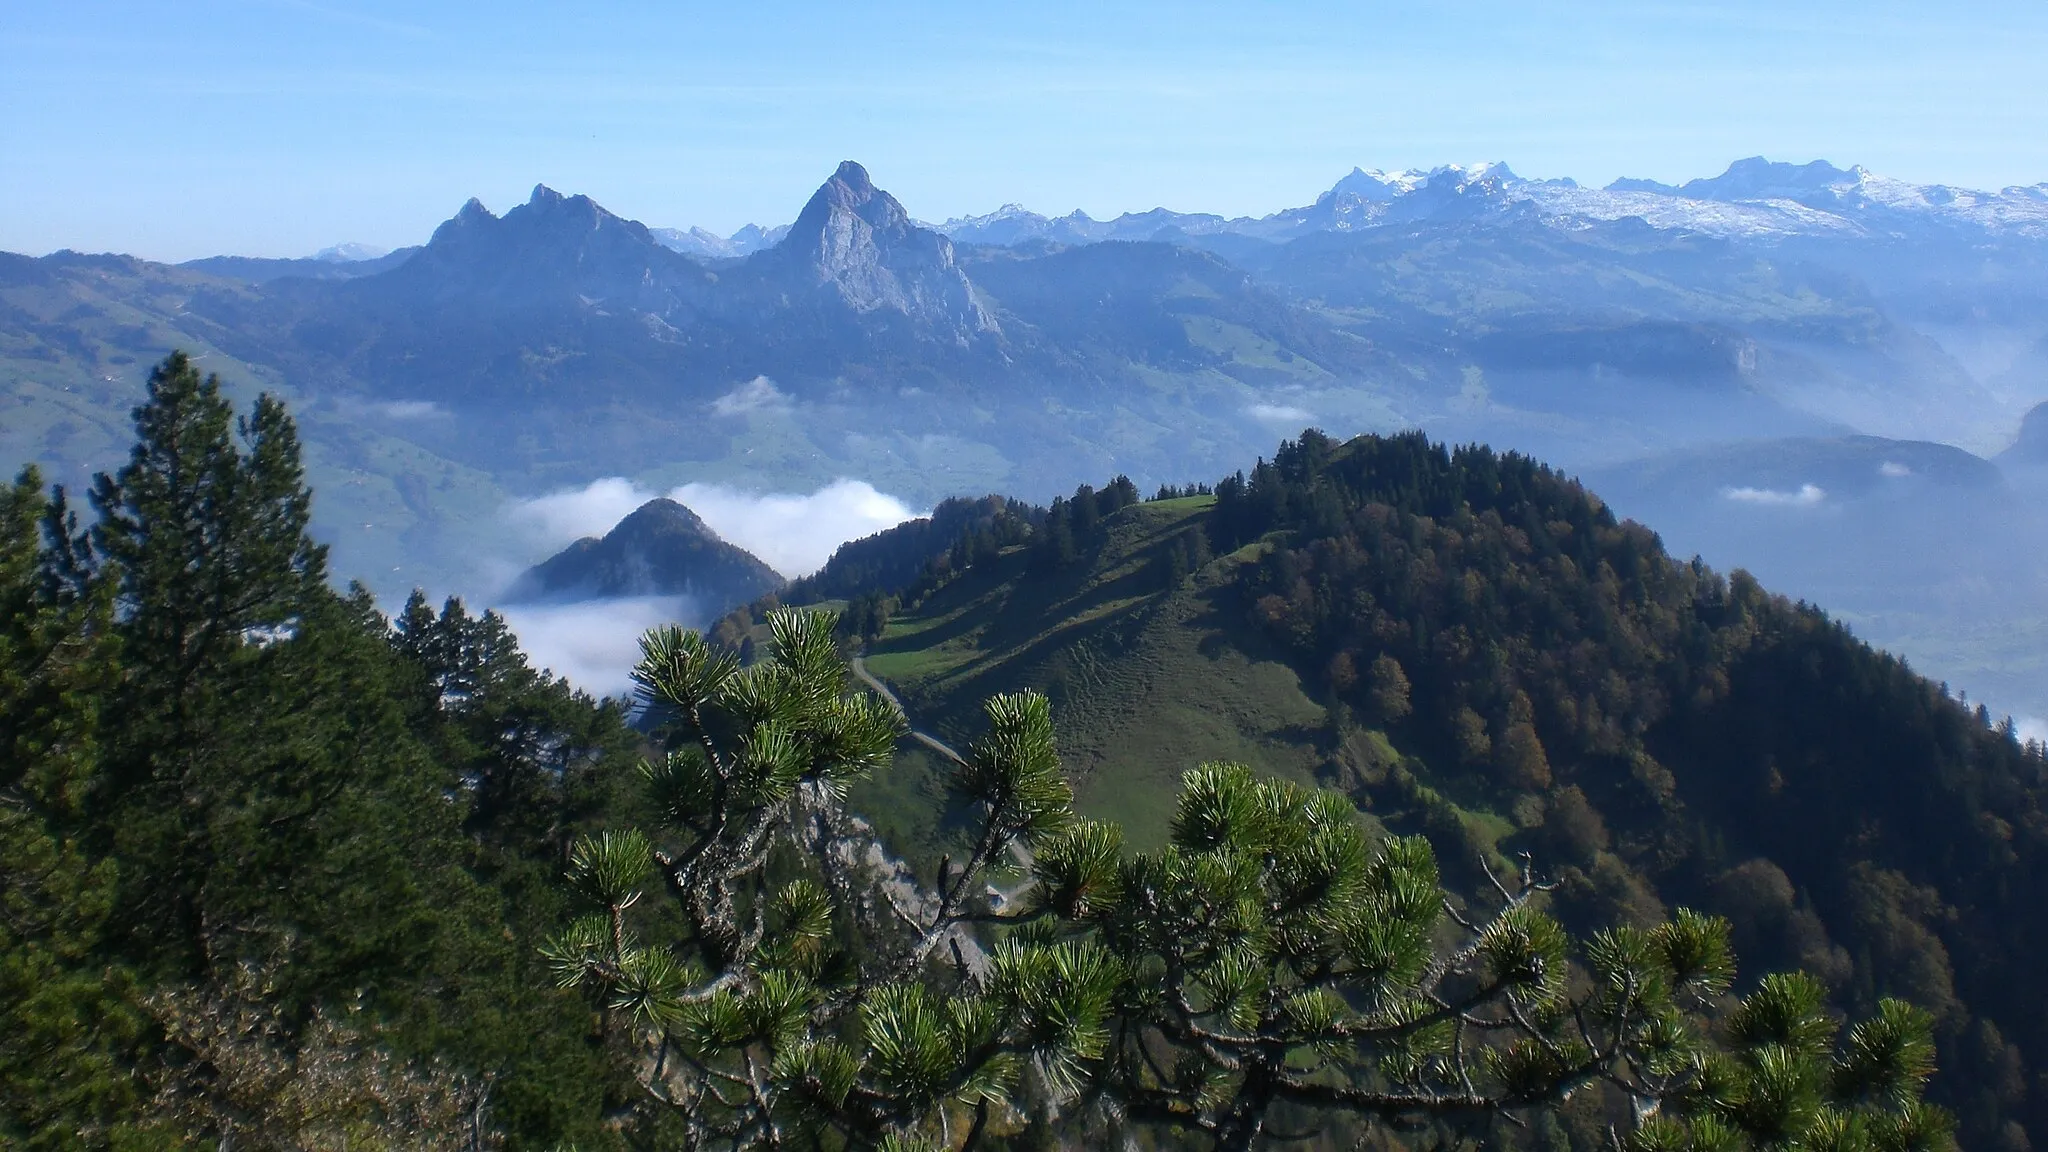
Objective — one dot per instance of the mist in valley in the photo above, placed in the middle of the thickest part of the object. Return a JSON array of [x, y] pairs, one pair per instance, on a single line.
[[594, 642]]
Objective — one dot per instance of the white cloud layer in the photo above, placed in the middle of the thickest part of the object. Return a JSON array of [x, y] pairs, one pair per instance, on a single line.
[[1808, 494], [572, 513], [594, 644], [795, 533]]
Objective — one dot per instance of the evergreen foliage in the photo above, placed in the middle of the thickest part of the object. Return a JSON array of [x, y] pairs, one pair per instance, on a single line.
[[1506, 667], [1273, 962], [1548, 645], [916, 555], [274, 871]]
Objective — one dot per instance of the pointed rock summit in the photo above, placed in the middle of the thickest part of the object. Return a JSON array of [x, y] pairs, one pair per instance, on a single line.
[[661, 549], [857, 242]]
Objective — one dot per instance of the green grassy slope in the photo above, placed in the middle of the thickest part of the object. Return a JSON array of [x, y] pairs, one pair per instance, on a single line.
[[1147, 681]]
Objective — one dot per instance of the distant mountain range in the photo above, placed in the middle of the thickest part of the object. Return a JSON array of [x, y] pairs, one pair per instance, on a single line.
[[1753, 198], [1629, 329]]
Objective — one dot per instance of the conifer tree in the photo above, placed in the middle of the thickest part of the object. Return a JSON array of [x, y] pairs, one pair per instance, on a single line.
[[795, 1003], [203, 534], [209, 539], [1273, 971], [68, 1026]]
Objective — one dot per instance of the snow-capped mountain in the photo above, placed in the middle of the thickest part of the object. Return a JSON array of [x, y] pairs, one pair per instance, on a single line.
[[350, 253], [1754, 198], [707, 245]]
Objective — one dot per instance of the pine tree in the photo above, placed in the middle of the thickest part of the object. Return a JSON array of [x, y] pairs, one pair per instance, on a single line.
[[204, 535], [1273, 970], [793, 1006], [209, 540]]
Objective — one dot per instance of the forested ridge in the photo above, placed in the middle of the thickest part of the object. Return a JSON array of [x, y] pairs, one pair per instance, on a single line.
[[1730, 741], [1488, 638], [281, 872]]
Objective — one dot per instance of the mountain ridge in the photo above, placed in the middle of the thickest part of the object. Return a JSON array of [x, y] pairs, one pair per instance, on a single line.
[[1479, 650], [561, 343], [1752, 197]]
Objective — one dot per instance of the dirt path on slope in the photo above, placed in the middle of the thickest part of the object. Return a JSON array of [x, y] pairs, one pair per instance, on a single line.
[[1018, 851], [860, 669]]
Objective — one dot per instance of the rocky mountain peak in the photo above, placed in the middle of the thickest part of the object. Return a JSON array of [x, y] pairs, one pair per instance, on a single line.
[[557, 248], [1375, 185], [851, 191], [1756, 178], [856, 241]]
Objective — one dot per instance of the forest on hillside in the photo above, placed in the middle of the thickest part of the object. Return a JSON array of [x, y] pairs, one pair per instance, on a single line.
[[282, 872], [1662, 729], [1490, 641]]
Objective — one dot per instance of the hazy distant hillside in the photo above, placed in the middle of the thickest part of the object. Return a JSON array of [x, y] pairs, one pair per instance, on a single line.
[[336, 266]]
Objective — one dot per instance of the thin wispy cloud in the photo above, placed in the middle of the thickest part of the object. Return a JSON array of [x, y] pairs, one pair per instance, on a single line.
[[1805, 495], [1280, 414], [757, 395]]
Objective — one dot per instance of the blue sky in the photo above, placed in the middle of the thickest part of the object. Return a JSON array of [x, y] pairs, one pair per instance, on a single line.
[[276, 127]]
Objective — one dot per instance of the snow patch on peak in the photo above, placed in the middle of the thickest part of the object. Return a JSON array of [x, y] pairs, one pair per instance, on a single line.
[[351, 252]]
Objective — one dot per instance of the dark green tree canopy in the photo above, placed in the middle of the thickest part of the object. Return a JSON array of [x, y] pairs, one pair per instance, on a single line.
[[206, 524]]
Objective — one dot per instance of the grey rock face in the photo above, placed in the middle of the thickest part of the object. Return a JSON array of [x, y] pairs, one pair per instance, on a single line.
[[857, 242]]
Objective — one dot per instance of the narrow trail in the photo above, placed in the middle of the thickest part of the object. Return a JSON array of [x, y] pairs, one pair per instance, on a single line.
[[1018, 851], [860, 669]]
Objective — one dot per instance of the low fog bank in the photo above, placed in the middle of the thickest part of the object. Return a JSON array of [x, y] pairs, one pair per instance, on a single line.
[[594, 644], [794, 533]]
